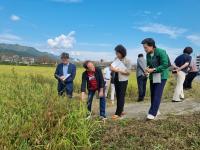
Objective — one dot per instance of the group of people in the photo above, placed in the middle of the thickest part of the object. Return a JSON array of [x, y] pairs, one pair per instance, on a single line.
[[156, 67]]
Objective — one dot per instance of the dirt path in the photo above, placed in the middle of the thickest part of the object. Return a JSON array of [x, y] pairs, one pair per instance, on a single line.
[[139, 110]]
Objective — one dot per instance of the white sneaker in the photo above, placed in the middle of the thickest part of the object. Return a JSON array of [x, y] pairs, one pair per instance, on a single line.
[[150, 117]]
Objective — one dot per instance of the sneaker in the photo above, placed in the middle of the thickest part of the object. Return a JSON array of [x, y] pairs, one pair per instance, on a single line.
[[115, 117], [103, 118], [150, 117], [176, 101]]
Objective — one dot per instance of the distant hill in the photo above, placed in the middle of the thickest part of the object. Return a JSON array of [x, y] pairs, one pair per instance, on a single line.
[[25, 51]]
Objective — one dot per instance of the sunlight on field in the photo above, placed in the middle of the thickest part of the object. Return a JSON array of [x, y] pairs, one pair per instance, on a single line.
[[48, 73]]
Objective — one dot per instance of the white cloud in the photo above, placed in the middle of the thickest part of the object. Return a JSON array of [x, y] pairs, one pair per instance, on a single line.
[[9, 38], [15, 17], [67, 1], [173, 32], [63, 41], [195, 39]]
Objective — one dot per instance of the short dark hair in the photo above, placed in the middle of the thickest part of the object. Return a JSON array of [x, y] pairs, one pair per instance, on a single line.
[[140, 55], [64, 55], [149, 42], [188, 50], [85, 64], [121, 49]]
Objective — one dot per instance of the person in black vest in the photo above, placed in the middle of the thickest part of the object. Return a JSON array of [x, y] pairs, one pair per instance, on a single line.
[[92, 78]]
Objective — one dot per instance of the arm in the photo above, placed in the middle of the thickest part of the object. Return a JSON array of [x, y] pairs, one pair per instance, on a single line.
[[73, 74], [183, 66], [56, 73], [141, 65], [164, 62], [128, 68], [84, 82]]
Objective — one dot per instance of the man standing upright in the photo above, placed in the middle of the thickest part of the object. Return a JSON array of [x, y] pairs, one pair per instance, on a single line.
[[65, 74], [141, 77]]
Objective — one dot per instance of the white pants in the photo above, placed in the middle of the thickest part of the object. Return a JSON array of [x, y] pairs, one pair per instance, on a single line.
[[112, 92], [178, 93], [107, 86]]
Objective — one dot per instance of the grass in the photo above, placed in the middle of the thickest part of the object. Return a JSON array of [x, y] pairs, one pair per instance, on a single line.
[[177, 132], [32, 116]]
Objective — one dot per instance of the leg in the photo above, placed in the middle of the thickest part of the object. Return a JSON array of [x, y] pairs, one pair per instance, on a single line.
[[69, 90], [158, 91], [107, 87], [152, 89], [60, 89], [103, 107], [192, 75], [179, 86], [121, 99], [117, 91], [144, 86], [140, 87], [90, 99], [112, 92], [186, 83]]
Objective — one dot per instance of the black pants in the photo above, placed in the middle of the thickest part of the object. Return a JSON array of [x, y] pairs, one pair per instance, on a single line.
[[188, 80], [141, 81], [120, 89]]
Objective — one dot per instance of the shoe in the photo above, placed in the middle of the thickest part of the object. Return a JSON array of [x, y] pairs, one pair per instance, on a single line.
[[115, 117], [140, 99], [123, 114], [103, 118], [150, 117], [176, 101]]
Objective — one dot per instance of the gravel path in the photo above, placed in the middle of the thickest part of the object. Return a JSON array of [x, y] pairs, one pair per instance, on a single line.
[[139, 110]]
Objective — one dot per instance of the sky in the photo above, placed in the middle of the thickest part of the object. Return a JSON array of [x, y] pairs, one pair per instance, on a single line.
[[90, 29]]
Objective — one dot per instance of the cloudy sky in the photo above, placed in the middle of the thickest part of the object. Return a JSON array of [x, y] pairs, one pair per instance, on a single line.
[[90, 29]]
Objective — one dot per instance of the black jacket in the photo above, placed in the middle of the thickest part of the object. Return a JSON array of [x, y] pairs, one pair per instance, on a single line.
[[99, 78]]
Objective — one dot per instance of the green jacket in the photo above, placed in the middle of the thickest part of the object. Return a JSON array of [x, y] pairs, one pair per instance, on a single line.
[[159, 61]]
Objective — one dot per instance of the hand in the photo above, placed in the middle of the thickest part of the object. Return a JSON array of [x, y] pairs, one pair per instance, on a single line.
[[101, 94], [146, 74], [62, 77], [83, 96], [114, 69], [178, 69], [150, 70]]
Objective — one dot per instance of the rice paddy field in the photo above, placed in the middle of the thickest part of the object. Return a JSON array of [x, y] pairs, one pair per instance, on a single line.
[[32, 116]]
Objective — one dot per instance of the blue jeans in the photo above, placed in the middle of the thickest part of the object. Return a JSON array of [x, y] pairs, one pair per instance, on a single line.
[[156, 95], [102, 103]]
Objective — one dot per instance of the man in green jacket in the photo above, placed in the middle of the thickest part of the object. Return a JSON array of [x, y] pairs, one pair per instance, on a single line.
[[158, 69]]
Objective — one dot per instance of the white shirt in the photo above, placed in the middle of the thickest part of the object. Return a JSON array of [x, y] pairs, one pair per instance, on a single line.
[[127, 64], [107, 73]]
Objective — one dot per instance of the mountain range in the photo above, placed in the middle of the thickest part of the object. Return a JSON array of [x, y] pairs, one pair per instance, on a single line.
[[25, 51]]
